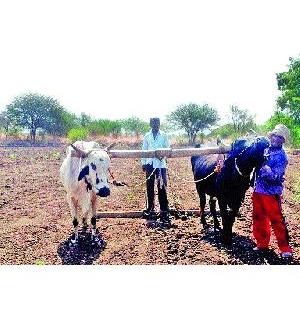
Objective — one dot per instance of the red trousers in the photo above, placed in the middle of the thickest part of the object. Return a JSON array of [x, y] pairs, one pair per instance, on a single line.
[[266, 210]]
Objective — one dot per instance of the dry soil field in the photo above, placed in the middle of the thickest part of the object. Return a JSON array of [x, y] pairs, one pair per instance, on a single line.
[[35, 224]]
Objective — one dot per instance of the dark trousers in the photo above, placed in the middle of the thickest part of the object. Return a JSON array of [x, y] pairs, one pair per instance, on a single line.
[[161, 178]]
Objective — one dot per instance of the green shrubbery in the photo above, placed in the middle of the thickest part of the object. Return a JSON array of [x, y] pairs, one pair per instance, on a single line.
[[14, 132], [79, 133], [224, 132], [280, 118], [105, 127]]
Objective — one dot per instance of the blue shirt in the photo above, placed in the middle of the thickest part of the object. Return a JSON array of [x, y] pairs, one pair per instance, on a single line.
[[270, 182], [151, 143]]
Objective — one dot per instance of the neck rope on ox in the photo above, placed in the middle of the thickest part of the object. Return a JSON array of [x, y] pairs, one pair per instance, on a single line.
[[236, 166], [238, 170]]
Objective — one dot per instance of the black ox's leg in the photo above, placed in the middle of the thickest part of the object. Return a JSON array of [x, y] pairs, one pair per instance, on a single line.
[[231, 218], [226, 230], [202, 207], [212, 204]]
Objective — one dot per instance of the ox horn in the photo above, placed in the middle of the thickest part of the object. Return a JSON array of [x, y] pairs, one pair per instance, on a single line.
[[109, 147], [82, 154]]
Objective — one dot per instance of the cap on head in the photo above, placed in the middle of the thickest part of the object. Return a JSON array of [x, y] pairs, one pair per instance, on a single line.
[[280, 130]]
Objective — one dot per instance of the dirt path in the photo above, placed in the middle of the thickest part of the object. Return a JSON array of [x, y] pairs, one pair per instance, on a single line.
[[35, 223]]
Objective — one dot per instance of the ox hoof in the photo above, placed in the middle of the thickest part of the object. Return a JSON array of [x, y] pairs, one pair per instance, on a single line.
[[184, 218], [73, 242], [206, 227], [96, 240], [227, 244], [210, 230]]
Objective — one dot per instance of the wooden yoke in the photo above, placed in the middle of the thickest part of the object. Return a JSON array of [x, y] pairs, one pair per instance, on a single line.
[[168, 153]]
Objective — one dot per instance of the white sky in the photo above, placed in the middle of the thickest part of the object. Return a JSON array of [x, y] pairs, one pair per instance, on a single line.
[[115, 59]]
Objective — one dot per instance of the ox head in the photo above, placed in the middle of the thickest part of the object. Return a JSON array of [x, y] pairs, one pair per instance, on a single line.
[[94, 171], [250, 151], [254, 152]]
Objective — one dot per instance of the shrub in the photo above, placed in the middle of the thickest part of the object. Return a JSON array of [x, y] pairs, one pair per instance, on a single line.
[[14, 132], [77, 134], [225, 131], [134, 126], [105, 127], [281, 118]]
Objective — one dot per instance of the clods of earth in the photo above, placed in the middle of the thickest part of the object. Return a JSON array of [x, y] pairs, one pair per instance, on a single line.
[[36, 227]]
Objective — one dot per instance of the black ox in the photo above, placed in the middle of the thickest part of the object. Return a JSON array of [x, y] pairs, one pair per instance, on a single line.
[[230, 185]]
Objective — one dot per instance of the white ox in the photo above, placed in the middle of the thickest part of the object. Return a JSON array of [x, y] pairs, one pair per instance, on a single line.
[[84, 174]]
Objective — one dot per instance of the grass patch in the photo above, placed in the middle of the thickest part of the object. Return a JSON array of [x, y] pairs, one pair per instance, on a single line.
[[297, 189], [13, 156], [56, 155], [40, 262]]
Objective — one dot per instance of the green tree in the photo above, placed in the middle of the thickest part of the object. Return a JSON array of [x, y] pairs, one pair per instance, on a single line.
[[241, 119], [8, 125], [105, 127], [224, 131], [35, 111], [281, 118], [193, 118], [85, 119], [5, 122], [134, 125], [289, 85], [68, 121]]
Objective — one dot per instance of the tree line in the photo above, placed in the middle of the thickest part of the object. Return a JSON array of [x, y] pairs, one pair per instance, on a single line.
[[36, 112]]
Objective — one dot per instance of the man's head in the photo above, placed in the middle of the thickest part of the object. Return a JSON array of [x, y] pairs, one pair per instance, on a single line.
[[279, 135], [155, 124]]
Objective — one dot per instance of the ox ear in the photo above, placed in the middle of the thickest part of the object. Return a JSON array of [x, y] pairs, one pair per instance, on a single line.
[[85, 171]]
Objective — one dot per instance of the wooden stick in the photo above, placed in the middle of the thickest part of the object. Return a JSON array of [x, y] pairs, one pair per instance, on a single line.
[[169, 153], [137, 214]]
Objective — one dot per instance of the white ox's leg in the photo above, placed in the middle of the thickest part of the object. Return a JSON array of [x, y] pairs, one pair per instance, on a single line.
[[73, 203], [93, 218], [85, 213], [88, 206]]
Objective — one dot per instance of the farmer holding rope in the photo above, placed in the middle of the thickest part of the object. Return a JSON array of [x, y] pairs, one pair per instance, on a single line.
[[267, 193], [156, 168]]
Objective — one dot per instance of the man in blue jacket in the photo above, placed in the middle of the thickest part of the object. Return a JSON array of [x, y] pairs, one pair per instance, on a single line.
[[267, 193]]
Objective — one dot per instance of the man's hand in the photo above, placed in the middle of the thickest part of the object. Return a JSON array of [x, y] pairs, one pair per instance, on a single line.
[[267, 169]]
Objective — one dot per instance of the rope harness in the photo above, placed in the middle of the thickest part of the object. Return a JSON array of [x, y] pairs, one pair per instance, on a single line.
[[194, 181], [144, 181], [236, 166], [238, 170]]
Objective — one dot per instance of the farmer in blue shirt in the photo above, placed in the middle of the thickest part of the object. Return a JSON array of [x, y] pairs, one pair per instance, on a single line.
[[267, 193], [156, 168]]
